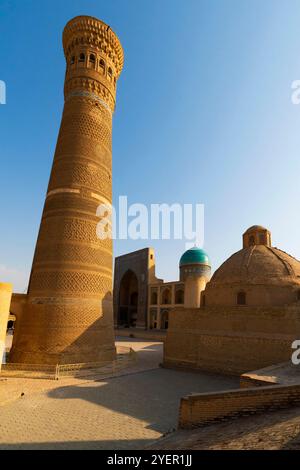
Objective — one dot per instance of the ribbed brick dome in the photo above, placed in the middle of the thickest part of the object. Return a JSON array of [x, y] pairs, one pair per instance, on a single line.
[[258, 263]]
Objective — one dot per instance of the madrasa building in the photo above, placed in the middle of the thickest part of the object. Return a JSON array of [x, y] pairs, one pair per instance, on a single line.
[[244, 317], [142, 300]]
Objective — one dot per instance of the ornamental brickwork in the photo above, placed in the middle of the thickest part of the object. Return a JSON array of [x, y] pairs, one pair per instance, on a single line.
[[68, 316]]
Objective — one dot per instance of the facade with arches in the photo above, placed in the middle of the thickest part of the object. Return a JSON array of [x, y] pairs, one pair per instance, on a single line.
[[163, 297], [194, 273], [153, 299], [93, 59]]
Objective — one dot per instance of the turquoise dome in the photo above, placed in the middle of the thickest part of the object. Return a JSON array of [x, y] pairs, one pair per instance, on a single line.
[[194, 255]]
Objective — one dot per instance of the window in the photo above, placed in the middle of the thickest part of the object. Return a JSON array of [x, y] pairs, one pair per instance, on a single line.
[[153, 319], [154, 298], [298, 295], [92, 59], [164, 321], [202, 300], [179, 296], [241, 298], [81, 58], [166, 296], [109, 72], [102, 65], [252, 240], [72, 60]]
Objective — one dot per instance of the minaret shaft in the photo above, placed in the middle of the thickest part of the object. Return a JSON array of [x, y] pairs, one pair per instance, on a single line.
[[68, 316]]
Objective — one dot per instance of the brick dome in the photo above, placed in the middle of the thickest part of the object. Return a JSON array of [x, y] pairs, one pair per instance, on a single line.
[[258, 263], [260, 275]]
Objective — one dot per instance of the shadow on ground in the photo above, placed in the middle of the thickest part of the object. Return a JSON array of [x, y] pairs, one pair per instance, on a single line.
[[152, 396], [126, 412]]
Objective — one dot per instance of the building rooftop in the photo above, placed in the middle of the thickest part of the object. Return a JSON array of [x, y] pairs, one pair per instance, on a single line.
[[256, 264]]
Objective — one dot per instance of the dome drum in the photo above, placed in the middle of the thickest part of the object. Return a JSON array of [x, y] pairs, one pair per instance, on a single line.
[[194, 263]]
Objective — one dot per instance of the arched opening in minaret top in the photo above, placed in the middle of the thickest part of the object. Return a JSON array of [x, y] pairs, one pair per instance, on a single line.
[[81, 58], [92, 60], [102, 65]]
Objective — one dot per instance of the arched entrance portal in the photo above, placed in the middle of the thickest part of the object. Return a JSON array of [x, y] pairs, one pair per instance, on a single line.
[[128, 300]]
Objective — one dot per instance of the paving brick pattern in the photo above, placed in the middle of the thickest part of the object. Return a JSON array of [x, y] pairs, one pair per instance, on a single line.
[[126, 412]]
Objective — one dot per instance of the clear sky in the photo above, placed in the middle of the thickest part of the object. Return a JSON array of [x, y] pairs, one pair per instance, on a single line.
[[204, 114]]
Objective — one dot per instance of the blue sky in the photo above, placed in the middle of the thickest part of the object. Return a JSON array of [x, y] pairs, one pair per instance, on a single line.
[[204, 115]]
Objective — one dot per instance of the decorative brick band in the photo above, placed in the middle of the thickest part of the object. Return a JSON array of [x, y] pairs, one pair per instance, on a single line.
[[90, 95]]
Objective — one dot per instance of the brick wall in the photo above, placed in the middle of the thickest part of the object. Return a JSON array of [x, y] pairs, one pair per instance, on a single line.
[[204, 408], [230, 340]]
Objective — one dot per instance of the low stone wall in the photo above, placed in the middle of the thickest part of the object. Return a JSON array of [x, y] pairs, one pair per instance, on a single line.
[[204, 408]]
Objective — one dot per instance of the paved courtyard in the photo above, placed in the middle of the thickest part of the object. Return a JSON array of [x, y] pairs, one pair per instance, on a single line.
[[125, 412]]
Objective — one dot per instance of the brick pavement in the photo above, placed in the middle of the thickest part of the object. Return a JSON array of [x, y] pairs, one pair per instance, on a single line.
[[126, 412]]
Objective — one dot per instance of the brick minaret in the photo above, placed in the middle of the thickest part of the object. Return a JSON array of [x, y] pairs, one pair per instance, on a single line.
[[68, 316]]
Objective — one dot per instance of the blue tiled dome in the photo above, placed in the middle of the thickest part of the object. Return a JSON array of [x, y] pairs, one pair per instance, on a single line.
[[194, 255]]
